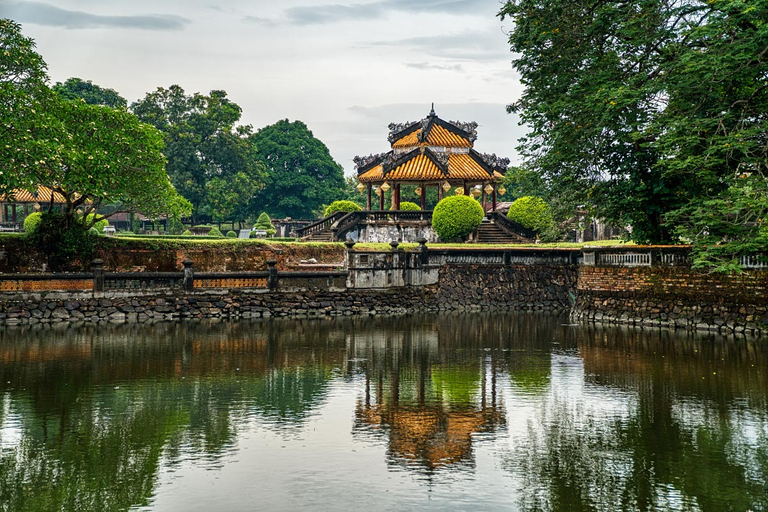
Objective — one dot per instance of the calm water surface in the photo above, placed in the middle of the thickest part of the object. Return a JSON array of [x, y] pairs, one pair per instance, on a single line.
[[473, 412]]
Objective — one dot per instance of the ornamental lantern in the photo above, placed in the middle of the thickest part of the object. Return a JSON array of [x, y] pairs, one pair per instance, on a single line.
[[385, 187], [476, 193], [377, 191], [488, 189], [360, 187], [446, 186], [418, 191], [459, 191], [502, 190]]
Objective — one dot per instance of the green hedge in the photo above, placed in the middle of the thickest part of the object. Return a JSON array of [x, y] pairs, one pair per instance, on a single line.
[[531, 212], [341, 206], [456, 217]]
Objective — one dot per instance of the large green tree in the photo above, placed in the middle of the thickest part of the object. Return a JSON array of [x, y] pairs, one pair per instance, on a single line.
[[641, 108], [301, 173], [211, 161], [91, 155], [77, 88], [30, 133]]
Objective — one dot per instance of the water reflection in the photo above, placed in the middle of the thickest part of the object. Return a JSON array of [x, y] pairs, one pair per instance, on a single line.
[[549, 416]]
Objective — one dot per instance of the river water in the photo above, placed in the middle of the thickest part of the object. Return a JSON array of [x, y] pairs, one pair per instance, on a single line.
[[462, 412]]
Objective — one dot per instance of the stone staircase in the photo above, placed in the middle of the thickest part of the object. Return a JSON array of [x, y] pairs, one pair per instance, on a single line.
[[490, 233], [322, 236]]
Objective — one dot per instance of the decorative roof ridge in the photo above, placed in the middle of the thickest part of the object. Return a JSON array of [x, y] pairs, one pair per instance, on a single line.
[[399, 130], [439, 159], [488, 166], [391, 162], [366, 163], [466, 130]]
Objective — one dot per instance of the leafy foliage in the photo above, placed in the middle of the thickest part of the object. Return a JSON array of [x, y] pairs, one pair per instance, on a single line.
[[726, 226], [641, 108], [211, 161], [531, 212], [231, 234], [98, 224], [30, 134], [456, 217], [265, 223], [301, 174], [215, 233], [341, 206], [65, 242], [91, 155], [92, 94], [32, 221]]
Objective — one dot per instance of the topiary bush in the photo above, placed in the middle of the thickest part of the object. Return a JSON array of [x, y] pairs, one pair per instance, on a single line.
[[408, 206], [531, 212], [93, 231], [265, 223], [341, 206], [100, 225], [32, 222], [456, 217], [186, 233], [231, 234], [215, 233]]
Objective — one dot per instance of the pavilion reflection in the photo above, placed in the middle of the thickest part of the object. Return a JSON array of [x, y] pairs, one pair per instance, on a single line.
[[428, 399]]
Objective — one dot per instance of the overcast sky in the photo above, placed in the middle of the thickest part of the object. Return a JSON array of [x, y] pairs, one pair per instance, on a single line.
[[346, 69]]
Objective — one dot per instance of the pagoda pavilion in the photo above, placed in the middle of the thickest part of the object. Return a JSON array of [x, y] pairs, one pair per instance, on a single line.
[[432, 153]]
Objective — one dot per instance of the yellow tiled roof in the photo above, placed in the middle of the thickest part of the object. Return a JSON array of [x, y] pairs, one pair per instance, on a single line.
[[438, 136], [25, 196], [422, 168], [410, 140], [462, 166]]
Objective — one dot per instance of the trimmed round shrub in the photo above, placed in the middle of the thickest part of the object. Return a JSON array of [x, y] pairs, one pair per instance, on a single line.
[[456, 217], [408, 206], [32, 221], [231, 234], [265, 223], [186, 233], [215, 232], [531, 212], [100, 225], [93, 231], [341, 206]]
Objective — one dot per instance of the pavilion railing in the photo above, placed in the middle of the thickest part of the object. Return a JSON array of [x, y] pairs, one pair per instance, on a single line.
[[340, 223], [503, 222], [320, 226]]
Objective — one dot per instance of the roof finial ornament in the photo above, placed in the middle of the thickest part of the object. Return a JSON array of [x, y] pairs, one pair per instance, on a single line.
[[432, 112]]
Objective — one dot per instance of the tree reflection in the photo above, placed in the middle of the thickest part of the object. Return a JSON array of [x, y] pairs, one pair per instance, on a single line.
[[667, 429], [94, 412]]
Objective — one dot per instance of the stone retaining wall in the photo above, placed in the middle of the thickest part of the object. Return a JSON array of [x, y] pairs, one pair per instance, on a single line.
[[675, 297], [459, 288]]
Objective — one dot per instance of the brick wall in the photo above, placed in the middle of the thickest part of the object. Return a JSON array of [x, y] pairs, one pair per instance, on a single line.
[[676, 297]]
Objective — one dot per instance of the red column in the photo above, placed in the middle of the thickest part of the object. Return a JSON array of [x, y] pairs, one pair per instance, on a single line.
[[494, 197], [396, 198], [423, 196], [381, 197]]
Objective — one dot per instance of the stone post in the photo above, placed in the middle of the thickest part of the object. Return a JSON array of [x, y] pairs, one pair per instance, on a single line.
[[423, 251], [272, 281], [97, 267], [189, 275], [350, 244]]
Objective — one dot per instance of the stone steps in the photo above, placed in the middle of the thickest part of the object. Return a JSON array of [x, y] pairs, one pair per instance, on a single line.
[[490, 233]]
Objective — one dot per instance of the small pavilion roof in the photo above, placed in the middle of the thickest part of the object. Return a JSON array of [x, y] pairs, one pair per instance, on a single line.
[[40, 195]]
